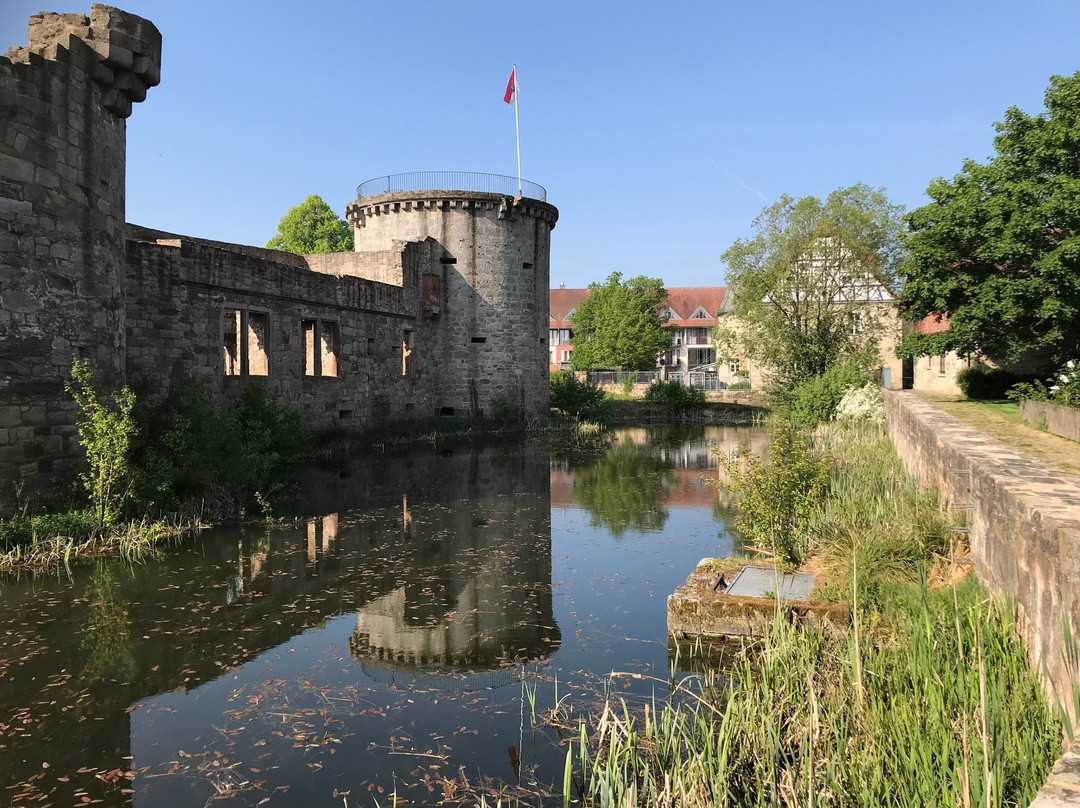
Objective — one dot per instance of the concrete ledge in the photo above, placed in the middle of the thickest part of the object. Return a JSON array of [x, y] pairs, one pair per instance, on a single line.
[[1063, 421], [695, 610], [1062, 787]]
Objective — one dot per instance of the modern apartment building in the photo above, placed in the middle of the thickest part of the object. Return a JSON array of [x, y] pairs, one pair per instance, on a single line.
[[692, 316]]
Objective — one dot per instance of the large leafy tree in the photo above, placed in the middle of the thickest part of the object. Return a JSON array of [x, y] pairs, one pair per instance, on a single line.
[[312, 227], [808, 289], [620, 325], [998, 249]]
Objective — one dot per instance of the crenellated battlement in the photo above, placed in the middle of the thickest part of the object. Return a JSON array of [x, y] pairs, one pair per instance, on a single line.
[[128, 50]]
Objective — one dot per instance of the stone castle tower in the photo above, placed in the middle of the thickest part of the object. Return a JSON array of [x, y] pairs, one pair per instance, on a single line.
[[64, 104], [486, 302]]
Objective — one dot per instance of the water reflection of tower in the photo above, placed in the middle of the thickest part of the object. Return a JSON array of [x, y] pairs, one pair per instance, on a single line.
[[478, 594]]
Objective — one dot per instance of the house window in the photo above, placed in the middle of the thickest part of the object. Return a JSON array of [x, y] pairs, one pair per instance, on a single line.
[[244, 342], [320, 347], [733, 367], [855, 322], [941, 365]]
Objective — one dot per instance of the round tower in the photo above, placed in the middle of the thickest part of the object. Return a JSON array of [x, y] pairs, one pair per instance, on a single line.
[[482, 341]]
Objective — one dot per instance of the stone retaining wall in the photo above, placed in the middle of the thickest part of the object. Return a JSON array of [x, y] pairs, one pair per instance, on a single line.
[[1024, 520], [1063, 421]]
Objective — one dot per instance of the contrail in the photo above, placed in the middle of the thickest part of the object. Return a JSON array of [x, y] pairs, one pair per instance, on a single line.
[[741, 181]]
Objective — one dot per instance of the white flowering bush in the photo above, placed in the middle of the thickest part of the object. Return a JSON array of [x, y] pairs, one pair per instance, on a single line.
[[862, 404], [1065, 389]]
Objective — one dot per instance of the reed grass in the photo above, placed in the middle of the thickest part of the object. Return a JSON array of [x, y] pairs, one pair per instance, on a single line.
[[951, 715]]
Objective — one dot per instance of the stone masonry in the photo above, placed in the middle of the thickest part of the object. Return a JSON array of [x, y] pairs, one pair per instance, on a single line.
[[441, 309]]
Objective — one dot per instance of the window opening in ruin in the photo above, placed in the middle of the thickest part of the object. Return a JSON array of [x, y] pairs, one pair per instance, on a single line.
[[244, 342], [526, 265], [344, 414], [371, 346], [446, 411], [320, 347], [406, 351], [479, 340]]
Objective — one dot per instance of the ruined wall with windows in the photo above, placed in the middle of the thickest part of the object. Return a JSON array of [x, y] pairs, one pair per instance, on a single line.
[[329, 343], [441, 309]]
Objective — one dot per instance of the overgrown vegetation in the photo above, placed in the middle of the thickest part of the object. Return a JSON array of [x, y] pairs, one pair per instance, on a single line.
[[814, 400], [944, 711], [157, 464], [927, 699], [576, 398], [676, 397], [778, 495], [1063, 388]]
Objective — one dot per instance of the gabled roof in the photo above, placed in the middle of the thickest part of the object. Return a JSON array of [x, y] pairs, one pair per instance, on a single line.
[[685, 300], [682, 300], [561, 302]]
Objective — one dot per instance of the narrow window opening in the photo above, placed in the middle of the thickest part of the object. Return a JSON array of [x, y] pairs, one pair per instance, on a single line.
[[446, 411], [406, 352], [231, 342], [941, 365], [446, 259], [479, 340], [371, 346], [329, 342], [344, 414], [526, 265]]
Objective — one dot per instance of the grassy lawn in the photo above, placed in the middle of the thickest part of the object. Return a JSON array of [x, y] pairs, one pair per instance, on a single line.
[[1001, 419]]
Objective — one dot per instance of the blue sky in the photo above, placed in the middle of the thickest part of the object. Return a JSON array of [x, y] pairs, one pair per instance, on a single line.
[[659, 130]]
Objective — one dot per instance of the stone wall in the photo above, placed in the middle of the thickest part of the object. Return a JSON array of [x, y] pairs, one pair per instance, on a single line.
[[180, 291], [64, 100], [1063, 421], [1025, 519]]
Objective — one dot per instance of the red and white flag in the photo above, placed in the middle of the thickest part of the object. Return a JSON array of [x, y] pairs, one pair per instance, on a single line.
[[511, 88]]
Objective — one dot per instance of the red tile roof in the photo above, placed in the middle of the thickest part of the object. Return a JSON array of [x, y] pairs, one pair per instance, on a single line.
[[683, 300], [932, 324]]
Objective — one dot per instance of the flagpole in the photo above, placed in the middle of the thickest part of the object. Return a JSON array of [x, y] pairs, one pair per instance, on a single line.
[[517, 128]]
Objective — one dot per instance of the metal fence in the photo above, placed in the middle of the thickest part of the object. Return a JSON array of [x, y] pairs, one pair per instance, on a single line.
[[620, 376], [451, 181], [703, 381]]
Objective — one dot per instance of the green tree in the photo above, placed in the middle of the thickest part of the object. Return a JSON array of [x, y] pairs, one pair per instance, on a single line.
[[312, 227], [998, 249], [620, 325], [810, 287]]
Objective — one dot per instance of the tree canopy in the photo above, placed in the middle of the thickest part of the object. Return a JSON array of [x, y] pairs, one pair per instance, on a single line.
[[620, 325], [801, 284], [998, 248], [312, 227]]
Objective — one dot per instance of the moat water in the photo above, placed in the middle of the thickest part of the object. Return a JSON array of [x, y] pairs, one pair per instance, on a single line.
[[409, 634]]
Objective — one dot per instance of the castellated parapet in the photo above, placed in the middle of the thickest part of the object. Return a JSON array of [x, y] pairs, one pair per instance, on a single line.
[[442, 308]]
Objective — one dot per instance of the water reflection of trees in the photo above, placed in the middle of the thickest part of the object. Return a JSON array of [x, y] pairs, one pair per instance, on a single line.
[[625, 490]]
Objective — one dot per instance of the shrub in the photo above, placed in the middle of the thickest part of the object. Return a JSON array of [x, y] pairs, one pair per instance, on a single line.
[[675, 396], [984, 383], [778, 496], [583, 400], [1064, 390], [190, 451], [106, 431], [739, 386], [814, 401], [862, 404]]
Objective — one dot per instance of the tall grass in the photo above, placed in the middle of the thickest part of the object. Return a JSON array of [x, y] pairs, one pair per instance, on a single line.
[[951, 715], [874, 514]]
